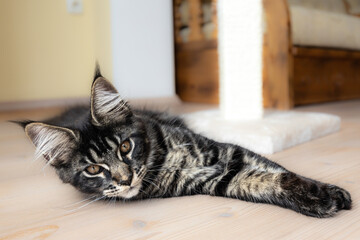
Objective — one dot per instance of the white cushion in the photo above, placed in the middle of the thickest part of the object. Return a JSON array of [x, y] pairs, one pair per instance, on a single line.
[[312, 27], [337, 6]]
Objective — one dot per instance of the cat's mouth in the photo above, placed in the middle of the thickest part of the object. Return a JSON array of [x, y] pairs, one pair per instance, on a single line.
[[127, 191]]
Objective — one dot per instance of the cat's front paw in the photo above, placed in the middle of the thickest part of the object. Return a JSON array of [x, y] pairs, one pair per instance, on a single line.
[[340, 197], [314, 198], [330, 200]]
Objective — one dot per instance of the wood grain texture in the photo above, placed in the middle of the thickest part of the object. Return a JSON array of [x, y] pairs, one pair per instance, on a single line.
[[197, 74], [34, 204], [322, 75], [277, 58], [196, 60], [195, 20], [301, 51], [297, 75]]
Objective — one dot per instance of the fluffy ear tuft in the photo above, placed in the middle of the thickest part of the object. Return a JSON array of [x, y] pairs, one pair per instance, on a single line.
[[54, 143], [107, 106]]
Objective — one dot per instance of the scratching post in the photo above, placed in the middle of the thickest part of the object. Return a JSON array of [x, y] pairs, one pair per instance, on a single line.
[[240, 58], [240, 119]]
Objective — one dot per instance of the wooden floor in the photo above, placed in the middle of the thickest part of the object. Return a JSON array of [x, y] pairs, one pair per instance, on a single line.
[[34, 204]]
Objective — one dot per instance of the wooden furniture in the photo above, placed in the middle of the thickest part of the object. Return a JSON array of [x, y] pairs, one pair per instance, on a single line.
[[196, 60], [292, 74], [295, 75]]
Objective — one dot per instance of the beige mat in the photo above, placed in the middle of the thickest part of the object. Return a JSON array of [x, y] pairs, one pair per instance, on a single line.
[[275, 132]]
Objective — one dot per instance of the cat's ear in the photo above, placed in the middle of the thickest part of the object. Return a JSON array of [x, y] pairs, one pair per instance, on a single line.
[[55, 144], [107, 106]]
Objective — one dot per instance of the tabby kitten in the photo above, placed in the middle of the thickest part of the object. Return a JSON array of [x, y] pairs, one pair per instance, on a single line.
[[111, 150]]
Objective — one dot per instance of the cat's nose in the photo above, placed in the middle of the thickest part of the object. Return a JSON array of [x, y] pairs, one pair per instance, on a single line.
[[123, 179]]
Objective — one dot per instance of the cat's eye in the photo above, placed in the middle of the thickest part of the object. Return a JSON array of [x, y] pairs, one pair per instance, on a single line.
[[93, 169], [125, 147]]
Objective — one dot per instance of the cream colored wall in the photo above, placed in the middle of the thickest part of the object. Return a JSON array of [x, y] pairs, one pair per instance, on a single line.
[[102, 38], [47, 53]]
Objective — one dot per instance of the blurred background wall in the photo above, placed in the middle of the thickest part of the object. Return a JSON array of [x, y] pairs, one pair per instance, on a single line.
[[48, 53], [143, 48]]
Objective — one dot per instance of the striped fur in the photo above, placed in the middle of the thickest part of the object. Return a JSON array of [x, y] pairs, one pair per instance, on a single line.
[[167, 159]]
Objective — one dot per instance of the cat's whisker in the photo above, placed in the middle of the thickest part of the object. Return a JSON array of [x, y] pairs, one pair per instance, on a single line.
[[144, 193], [114, 199], [86, 204], [109, 201], [76, 203], [47, 164], [151, 183]]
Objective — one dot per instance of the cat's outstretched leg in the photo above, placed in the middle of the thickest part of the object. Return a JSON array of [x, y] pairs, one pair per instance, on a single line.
[[257, 179]]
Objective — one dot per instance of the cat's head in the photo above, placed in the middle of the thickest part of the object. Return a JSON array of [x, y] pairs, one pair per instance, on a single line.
[[105, 154]]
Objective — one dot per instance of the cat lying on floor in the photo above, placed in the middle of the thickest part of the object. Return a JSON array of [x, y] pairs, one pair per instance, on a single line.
[[111, 150]]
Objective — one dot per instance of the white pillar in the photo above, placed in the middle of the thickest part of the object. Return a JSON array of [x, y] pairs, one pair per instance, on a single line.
[[240, 58]]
